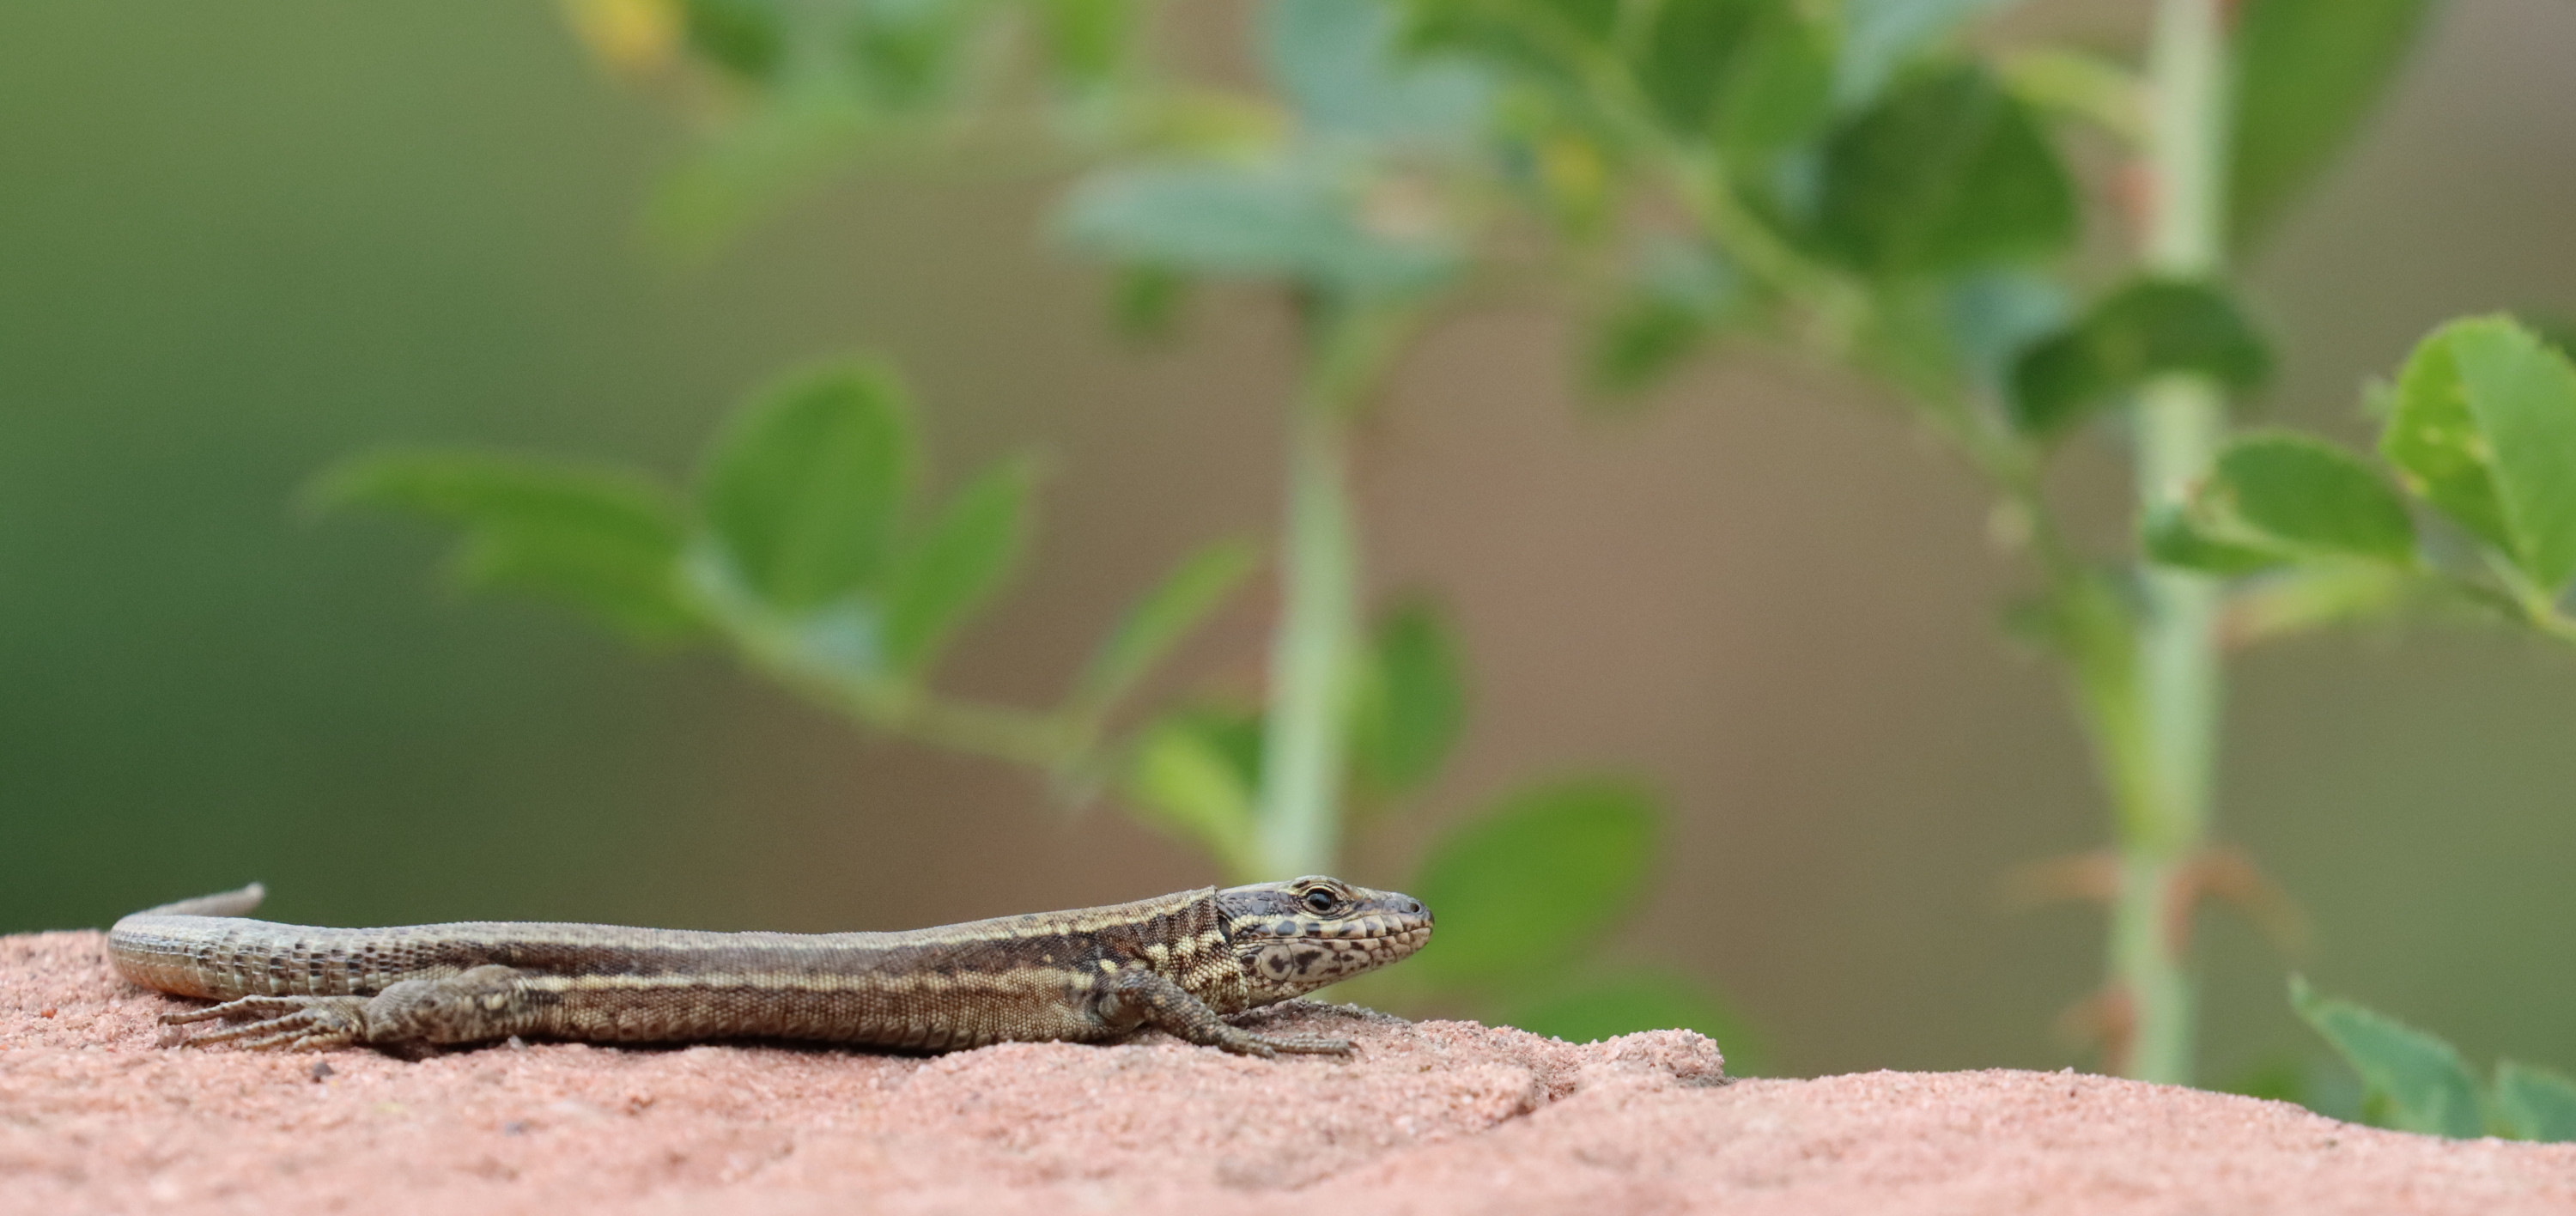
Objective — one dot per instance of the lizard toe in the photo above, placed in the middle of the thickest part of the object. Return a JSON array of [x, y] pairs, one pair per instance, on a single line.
[[302, 1024]]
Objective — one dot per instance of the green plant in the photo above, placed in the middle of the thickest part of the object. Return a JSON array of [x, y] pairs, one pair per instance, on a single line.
[[803, 550], [2417, 1082], [802, 553], [1850, 180], [2478, 439]]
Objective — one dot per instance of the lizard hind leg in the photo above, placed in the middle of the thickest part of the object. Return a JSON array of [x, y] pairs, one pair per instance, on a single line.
[[410, 1019], [268, 1023]]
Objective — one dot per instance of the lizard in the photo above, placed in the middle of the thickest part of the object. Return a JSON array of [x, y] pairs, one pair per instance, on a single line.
[[1182, 963]]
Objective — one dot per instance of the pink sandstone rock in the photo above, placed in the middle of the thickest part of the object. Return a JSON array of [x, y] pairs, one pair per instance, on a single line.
[[1433, 1117]]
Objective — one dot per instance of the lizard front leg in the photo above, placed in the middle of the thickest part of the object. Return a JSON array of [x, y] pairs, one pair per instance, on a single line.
[[1130, 1000], [409, 1018]]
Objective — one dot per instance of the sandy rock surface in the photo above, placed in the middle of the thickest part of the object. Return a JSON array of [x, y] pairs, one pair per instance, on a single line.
[[1434, 1117]]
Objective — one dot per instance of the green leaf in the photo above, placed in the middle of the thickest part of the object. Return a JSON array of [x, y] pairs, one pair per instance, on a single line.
[[2303, 497], [2171, 537], [1523, 887], [1992, 317], [1088, 42], [1295, 221], [957, 564], [2485, 430], [2433, 440], [1543, 44], [2523, 395], [1161, 619], [1410, 703], [888, 56], [2151, 327], [1639, 342], [1777, 93], [2312, 597], [907, 56], [776, 147], [1193, 774], [602, 540], [1594, 20], [1145, 302], [1752, 74], [1946, 172], [1677, 293], [2535, 1103], [1879, 36], [1338, 62], [1627, 1001], [805, 490], [2307, 73], [2423, 1079], [747, 38], [1686, 55], [2556, 330]]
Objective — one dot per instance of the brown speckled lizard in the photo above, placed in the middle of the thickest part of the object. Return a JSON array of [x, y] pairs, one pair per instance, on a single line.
[[1182, 963]]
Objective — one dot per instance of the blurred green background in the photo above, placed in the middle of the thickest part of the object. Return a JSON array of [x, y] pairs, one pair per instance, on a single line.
[[236, 244]]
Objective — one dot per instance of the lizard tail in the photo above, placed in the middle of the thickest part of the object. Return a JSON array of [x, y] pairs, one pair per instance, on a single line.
[[227, 903]]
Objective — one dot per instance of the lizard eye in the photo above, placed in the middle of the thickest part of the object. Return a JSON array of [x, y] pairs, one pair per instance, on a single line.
[[1320, 901]]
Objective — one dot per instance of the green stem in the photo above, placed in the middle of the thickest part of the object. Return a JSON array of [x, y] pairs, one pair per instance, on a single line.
[[1035, 740], [1299, 817], [2177, 680], [1054, 743], [1046, 742]]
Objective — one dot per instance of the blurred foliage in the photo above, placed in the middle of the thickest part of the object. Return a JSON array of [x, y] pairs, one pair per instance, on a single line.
[[601, 540], [805, 550], [2480, 435], [2417, 1082], [1853, 180], [2307, 73], [1535, 879], [2146, 329]]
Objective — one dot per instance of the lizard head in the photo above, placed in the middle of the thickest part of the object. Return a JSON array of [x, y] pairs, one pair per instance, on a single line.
[[1295, 937]]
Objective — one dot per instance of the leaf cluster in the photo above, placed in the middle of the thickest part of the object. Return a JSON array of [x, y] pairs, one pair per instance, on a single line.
[[804, 547], [1351, 200], [1847, 177], [2473, 497], [2416, 1081]]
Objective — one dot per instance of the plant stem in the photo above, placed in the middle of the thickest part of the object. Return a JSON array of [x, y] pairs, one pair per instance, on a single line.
[[1299, 817], [2180, 422], [1040, 741], [1046, 742]]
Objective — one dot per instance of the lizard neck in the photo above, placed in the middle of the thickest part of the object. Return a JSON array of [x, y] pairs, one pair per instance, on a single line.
[[1182, 938]]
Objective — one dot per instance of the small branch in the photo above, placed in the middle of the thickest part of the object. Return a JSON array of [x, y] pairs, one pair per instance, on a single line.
[[1054, 743], [1017, 736], [1299, 811]]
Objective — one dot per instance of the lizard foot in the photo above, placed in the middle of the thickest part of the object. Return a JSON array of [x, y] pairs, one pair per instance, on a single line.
[[273, 1023], [1129, 999]]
